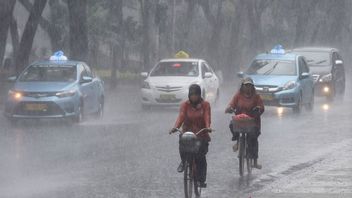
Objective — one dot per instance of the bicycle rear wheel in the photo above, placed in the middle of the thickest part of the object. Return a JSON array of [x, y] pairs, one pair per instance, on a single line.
[[188, 180], [241, 155]]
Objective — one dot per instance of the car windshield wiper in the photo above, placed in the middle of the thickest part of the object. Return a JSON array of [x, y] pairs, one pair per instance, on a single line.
[[271, 69], [319, 62], [310, 60]]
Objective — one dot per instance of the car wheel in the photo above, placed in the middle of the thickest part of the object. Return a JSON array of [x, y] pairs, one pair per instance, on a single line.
[[100, 112], [298, 107], [79, 117]]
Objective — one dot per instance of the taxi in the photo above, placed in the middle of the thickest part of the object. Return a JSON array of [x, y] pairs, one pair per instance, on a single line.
[[55, 88], [282, 79], [168, 81]]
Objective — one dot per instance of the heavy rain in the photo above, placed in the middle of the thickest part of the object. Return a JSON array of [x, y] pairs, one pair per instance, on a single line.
[[93, 94]]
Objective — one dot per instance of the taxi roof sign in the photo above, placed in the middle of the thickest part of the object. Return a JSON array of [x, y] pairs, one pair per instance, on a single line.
[[58, 56], [181, 54], [278, 49]]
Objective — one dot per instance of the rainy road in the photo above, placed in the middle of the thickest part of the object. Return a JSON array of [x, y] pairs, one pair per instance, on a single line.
[[130, 154]]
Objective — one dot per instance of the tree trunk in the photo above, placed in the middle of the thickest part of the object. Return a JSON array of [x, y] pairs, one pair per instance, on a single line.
[[187, 25], [28, 35], [14, 37], [146, 20], [78, 29], [116, 12], [6, 10]]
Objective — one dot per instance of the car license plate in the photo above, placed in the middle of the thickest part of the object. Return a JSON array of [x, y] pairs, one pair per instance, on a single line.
[[266, 97], [36, 107], [167, 96]]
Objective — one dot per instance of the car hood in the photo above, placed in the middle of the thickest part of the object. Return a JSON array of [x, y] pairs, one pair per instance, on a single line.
[[321, 70], [171, 81], [272, 80], [42, 86]]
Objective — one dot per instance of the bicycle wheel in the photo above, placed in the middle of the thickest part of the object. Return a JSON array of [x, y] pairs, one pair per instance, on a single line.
[[188, 180], [197, 189], [241, 155]]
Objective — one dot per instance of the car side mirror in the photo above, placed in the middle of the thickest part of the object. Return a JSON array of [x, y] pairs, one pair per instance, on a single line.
[[338, 62], [305, 75], [144, 74], [208, 75], [12, 78], [86, 79], [240, 74]]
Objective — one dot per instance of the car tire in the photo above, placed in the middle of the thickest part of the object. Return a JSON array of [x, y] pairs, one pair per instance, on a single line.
[[79, 117], [298, 108], [100, 112]]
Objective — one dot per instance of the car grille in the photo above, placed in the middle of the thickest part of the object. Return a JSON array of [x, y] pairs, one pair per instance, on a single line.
[[168, 101], [168, 88], [51, 109], [315, 77], [267, 88], [39, 94]]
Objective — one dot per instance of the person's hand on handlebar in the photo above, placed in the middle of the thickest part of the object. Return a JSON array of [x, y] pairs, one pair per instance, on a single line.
[[173, 130], [229, 110], [209, 130]]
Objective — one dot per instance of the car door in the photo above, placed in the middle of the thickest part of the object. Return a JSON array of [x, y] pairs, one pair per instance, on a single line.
[[95, 88], [86, 89]]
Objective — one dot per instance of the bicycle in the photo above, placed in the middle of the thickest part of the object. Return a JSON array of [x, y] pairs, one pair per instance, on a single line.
[[244, 126], [189, 144]]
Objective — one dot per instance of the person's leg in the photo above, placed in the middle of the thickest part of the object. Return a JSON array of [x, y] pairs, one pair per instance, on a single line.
[[253, 148], [180, 167], [234, 134], [201, 163]]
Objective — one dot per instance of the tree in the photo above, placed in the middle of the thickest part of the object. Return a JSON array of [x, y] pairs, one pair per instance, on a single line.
[[29, 31], [6, 10], [78, 29]]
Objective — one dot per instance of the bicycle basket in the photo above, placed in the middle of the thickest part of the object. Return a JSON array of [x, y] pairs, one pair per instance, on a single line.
[[189, 143], [244, 124]]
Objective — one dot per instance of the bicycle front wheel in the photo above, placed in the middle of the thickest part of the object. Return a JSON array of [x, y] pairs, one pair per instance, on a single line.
[[249, 165], [188, 180]]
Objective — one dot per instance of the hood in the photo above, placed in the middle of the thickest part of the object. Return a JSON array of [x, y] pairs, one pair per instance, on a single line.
[[42, 86], [171, 80], [272, 80], [321, 70]]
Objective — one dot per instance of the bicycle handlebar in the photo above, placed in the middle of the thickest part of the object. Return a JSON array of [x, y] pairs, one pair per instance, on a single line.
[[200, 131]]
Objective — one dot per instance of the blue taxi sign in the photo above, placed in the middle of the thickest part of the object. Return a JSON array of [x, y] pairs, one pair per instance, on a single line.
[[58, 56], [278, 49]]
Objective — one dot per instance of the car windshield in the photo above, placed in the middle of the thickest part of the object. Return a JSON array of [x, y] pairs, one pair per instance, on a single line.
[[316, 58], [49, 73], [176, 69], [272, 67]]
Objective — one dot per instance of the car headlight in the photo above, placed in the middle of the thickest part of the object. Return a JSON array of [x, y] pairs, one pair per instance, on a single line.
[[146, 85], [326, 78], [290, 85], [64, 94], [15, 94]]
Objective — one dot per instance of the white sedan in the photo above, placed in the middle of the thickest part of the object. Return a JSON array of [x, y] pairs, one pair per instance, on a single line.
[[168, 82]]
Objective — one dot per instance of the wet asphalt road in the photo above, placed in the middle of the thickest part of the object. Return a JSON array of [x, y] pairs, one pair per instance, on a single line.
[[129, 154]]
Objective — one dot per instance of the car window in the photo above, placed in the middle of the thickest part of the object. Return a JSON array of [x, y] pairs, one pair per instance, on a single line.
[[272, 67], [49, 73], [176, 69], [316, 58], [88, 72], [303, 66]]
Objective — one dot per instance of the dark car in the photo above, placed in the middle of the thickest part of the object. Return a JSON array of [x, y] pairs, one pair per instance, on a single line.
[[327, 68]]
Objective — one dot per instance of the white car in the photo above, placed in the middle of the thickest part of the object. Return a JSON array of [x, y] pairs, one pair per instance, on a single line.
[[168, 82]]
